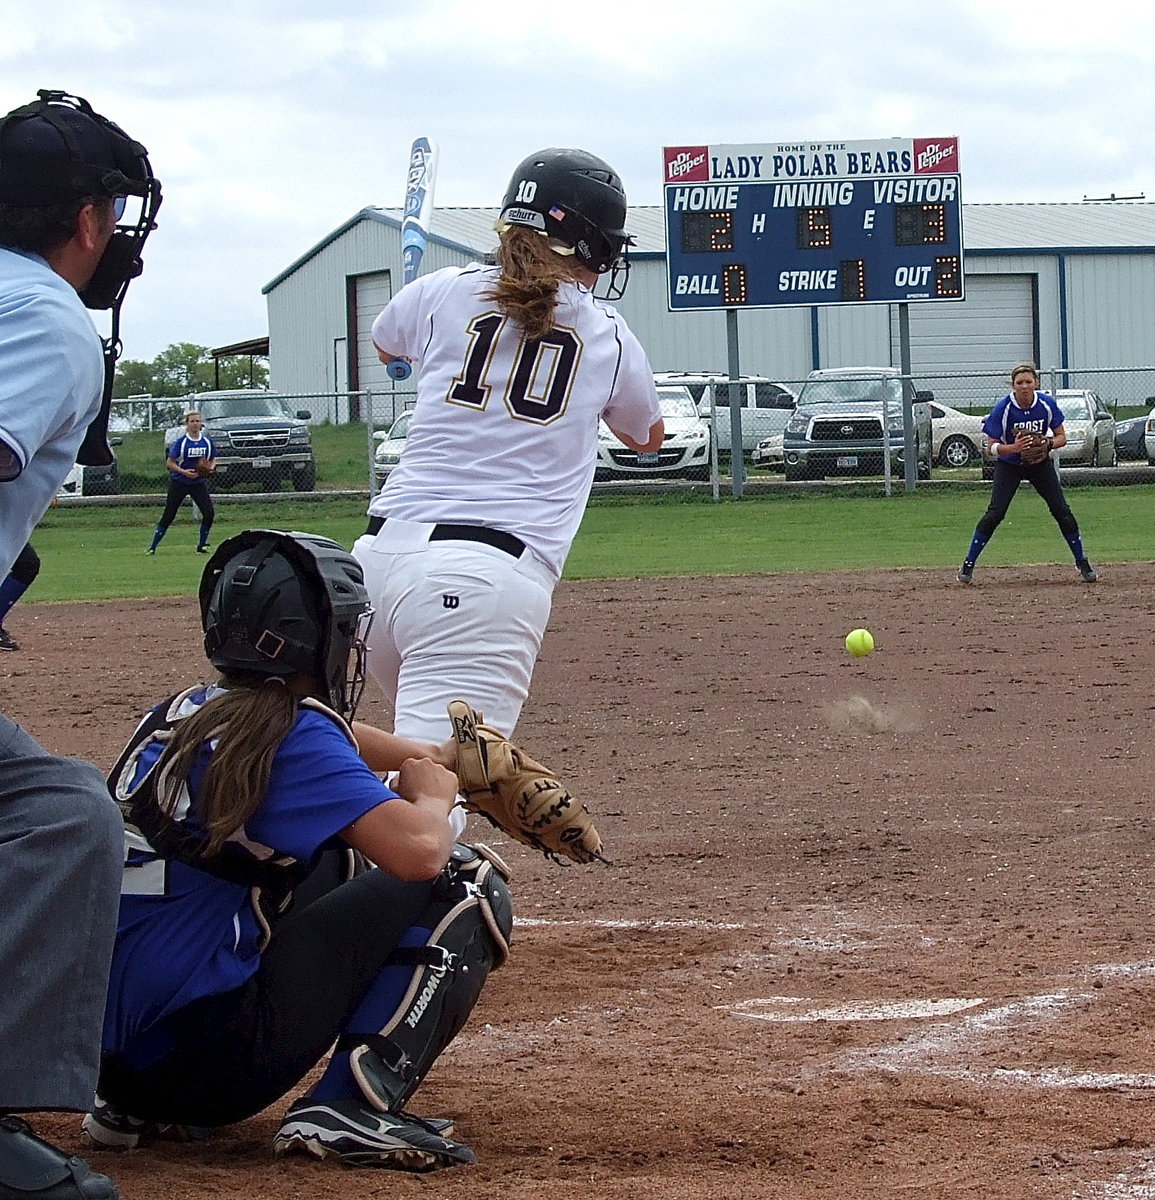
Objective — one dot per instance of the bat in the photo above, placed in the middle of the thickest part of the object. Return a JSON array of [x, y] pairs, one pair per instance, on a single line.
[[418, 206]]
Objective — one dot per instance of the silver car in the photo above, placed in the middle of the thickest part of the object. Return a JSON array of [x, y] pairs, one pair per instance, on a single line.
[[1090, 430], [390, 444], [957, 438]]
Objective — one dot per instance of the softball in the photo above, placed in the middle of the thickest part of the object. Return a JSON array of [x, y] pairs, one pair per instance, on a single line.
[[859, 643]]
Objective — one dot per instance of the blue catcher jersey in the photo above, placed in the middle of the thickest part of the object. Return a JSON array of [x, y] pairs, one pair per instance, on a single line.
[[182, 933]]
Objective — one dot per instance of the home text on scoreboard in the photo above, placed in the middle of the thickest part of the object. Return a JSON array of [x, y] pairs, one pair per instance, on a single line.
[[813, 223]]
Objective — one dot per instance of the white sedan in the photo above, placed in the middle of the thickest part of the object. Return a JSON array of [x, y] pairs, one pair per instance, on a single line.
[[957, 438]]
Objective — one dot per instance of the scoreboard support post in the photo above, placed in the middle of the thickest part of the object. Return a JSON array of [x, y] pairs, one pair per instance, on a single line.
[[737, 450]]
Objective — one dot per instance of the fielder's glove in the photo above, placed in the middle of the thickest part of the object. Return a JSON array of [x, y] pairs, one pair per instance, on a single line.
[[520, 796], [203, 467], [1036, 449]]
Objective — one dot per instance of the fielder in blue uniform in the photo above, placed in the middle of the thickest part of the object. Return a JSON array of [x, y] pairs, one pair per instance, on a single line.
[[248, 942], [184, 456], [1024, 413]]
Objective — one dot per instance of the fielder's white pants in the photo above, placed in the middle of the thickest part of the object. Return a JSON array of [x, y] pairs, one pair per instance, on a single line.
[[455, 620]]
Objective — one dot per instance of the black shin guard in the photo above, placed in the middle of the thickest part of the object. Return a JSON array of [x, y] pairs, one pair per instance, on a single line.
[[471, 918]]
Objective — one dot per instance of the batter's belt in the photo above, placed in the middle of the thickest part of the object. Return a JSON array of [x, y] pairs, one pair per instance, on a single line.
[[497, 538]]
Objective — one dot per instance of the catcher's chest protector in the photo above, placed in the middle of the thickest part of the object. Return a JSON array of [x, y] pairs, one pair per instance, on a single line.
[[153, 837], [469, 922]]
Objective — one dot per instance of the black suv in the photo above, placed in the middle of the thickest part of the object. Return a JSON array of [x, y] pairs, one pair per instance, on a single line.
[[258, 439]]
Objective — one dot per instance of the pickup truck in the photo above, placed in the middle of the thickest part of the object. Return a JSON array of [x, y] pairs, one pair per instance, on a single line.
[[838, 425], [258, 439]]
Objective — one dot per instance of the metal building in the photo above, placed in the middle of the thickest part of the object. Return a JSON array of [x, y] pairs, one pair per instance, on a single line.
[[1064, 285]]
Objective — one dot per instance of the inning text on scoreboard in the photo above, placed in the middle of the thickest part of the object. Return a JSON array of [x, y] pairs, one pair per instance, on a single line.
[[813, 223]]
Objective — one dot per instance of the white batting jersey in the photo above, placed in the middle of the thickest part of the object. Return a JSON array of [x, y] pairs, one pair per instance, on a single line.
[[504, 432]]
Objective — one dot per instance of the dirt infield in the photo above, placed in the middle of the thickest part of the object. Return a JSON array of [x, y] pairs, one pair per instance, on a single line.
[[874, 928]]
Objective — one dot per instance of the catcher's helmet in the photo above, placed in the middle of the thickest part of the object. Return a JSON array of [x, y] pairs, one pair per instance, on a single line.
[[575, 198], [275, 603]]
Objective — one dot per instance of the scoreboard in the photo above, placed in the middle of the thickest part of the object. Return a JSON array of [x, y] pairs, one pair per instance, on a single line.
[[808, 223]]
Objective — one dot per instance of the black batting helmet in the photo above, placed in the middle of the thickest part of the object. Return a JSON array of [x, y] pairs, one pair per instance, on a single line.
[[575, 198], [276, 603]]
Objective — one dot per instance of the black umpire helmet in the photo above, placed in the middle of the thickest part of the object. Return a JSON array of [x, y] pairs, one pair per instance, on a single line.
[[575, 198], [276, 603], [58, 149]]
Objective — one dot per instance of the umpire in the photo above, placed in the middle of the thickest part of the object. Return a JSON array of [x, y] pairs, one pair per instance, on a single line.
[[1022, 430], [77, 200]]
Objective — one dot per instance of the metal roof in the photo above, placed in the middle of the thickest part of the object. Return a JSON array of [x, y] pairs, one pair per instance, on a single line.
[[1086, 227]]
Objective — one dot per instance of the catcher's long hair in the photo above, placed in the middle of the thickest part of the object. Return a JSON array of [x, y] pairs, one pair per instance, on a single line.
[[246, 725], [531, 269]]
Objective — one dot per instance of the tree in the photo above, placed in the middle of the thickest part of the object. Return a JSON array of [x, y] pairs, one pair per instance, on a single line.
[[184, 368]]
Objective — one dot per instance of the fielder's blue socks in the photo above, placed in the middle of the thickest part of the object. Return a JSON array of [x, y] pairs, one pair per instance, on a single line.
[[204, 535], [156, 538], [977, 544], [1075, 541]]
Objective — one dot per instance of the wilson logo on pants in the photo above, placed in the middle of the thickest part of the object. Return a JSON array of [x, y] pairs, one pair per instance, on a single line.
[[450, 601]]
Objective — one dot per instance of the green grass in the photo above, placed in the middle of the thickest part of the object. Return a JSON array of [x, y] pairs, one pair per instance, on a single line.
[[98, 552]]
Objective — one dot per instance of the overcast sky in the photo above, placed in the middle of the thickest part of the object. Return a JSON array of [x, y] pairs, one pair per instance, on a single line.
[[270, 124]]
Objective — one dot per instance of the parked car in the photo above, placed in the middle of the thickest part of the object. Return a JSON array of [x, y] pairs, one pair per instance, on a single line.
[[837, 426], [768, 453], [93, 481], [1090, 432], [685, 450], [957, 438], [1149, 434], [258, 439], [1131, 439], [390, 444], [765, 405]]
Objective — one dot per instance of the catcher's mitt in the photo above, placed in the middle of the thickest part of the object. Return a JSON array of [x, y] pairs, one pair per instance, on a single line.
[[519, 796], [1035, 450], [204, 467]]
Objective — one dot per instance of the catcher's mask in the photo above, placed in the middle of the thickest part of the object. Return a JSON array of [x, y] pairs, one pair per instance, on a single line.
[[57, 149], [276, 603], [577, 200]]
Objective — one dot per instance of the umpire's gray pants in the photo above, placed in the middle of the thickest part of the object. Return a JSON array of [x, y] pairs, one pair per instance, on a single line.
[[61, 853]]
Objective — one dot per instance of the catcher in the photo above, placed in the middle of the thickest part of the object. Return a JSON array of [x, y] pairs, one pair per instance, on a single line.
[[191, 460], [248, 942], [1023, 430]]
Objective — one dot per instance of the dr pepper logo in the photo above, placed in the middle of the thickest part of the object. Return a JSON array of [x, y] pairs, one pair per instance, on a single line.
[[687, 164], [936, 156]]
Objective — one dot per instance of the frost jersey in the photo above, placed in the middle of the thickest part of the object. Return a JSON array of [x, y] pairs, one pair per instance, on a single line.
[[188, 451], [505, 430], [1007, 419]]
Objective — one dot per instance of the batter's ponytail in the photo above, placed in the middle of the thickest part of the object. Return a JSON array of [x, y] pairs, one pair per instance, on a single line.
[[531, 270]]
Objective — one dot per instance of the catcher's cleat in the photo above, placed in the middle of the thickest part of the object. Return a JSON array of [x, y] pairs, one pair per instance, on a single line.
[[358, 1136], [966, 573], [1088, 572], [7, 641], [107, 1128]]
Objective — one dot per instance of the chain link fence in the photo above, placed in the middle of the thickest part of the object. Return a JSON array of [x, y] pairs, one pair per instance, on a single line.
[[349, 441]]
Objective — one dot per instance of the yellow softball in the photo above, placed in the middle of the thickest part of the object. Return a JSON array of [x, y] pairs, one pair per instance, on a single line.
[[859, 643]]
